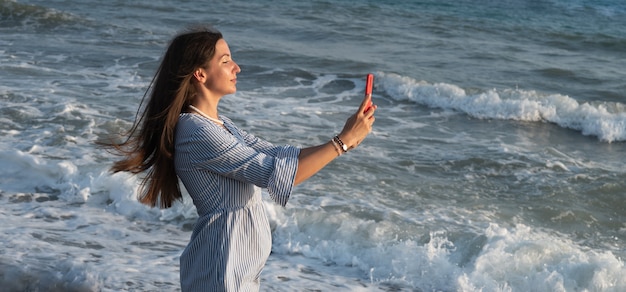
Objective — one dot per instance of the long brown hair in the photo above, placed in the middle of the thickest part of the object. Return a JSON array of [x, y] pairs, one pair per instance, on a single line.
[[149, 146]]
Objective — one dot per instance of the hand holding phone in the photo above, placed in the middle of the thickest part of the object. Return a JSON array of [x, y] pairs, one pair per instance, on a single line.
[[369, 85]]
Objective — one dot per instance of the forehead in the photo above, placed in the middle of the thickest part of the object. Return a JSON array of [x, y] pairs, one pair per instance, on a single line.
[[221, 48]]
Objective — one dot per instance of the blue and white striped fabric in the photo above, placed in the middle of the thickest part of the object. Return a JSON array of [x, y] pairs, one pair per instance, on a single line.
[[223, 171]]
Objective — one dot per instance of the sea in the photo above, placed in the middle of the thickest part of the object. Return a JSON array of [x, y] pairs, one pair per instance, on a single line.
[[496, 163]]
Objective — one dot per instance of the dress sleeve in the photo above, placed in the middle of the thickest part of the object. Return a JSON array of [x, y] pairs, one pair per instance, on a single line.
[[259, 163], [253, 141]]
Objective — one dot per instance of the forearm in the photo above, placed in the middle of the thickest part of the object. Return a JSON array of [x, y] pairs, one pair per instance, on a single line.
[[313, 159]]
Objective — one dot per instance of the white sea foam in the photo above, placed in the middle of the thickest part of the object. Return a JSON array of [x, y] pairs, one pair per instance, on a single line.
[[605, 120], [524, 259], [518, 258]]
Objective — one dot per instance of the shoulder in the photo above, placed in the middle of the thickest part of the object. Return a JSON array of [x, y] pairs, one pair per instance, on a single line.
[[193, 121], [192, 127], [189, 119]]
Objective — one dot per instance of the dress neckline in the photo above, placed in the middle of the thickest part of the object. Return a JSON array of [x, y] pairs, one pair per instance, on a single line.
[[198, 111]]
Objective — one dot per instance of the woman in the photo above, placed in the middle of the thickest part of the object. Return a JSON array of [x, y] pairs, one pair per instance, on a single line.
[[181, 135]]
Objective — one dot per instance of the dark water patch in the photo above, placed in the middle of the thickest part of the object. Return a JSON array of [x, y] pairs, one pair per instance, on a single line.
[[158, 245], [37, 197], [337, 86], [568, 75], [63, 240], [585, 42]]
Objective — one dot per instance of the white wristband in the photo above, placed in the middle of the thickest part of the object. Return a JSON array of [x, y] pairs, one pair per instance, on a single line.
[[337, 148]]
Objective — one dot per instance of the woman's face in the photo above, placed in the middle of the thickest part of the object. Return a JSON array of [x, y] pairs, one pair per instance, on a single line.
[[222, 71]]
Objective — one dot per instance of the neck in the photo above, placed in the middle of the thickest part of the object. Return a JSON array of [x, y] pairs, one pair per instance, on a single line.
[[205, 102]]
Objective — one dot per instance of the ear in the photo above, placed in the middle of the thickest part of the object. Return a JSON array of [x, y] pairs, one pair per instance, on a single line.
[[200, 75]]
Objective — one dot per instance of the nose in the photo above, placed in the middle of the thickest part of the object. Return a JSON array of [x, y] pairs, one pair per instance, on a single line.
[[237, 68]]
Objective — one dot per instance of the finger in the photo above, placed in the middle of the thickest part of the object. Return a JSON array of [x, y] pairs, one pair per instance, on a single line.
[[369, 113], [367, 100]]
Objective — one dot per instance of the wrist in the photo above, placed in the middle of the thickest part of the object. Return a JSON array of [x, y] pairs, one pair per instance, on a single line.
[[343, 147], [336, 146]]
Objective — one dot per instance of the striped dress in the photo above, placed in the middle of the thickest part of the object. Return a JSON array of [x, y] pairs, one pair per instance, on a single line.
[[223, 171]]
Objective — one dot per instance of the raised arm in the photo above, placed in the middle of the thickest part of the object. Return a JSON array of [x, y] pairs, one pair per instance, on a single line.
[[357, 127]]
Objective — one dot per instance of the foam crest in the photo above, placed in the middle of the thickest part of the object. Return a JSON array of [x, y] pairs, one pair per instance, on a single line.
[[605, 120], [26, 172], [121, 191], [18, 14], [368, 246], [523, 259], [65, 276], [516, 258]]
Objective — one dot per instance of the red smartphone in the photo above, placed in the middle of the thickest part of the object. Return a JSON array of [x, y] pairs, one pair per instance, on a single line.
[[369, 85]]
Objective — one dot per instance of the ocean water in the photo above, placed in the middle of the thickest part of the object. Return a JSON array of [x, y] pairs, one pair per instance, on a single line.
[[496, 162]]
